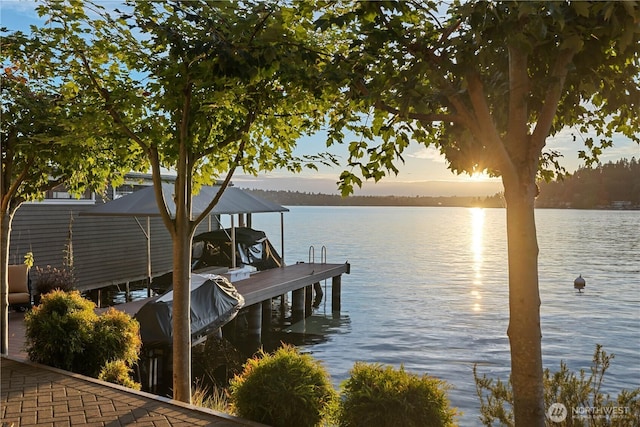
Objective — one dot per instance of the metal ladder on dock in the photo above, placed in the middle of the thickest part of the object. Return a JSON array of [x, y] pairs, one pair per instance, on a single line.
[[319, 294]]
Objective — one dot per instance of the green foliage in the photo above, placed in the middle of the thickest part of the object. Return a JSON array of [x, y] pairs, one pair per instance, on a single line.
[[484, 82], [65, 332], [596, 187], [199, 87], [118, 372], [28, 259], [49, 136], [47, 279], [116, 336], [581, 393], [383, 396], [215, 399], [58, 330], [240, 97], [283, 389]]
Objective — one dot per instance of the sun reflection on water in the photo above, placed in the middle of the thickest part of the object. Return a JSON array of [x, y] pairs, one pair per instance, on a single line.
[[477, 229]]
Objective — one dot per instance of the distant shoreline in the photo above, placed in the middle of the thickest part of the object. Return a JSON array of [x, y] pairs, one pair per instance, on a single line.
[[295, 198]]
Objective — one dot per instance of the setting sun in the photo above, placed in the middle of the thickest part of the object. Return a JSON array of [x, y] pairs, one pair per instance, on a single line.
[[478, 176]]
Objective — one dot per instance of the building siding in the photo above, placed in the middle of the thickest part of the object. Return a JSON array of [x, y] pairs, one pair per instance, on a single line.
[[106, 250]]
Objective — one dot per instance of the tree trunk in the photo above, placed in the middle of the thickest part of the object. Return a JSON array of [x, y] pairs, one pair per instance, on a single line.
[[5, 220], [525, 336], [182, 310]]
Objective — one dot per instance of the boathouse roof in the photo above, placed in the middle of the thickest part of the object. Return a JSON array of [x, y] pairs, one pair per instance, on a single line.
[[143, 203]]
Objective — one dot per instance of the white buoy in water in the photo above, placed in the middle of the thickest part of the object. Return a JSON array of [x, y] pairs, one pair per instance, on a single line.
[[579, 283]]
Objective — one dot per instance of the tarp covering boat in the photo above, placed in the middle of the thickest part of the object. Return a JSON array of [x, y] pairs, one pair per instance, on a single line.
[[214, 302], [213, 248]]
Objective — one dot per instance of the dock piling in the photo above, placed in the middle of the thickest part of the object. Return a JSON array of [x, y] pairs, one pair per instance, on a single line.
[[298, 304], [255, 323], [336, 289]]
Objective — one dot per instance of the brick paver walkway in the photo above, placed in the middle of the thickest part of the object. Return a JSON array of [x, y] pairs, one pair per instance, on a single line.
[[32, 394], [36, 395]]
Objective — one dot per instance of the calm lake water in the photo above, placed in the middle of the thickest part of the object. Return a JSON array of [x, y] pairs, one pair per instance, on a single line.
[[428, 290]]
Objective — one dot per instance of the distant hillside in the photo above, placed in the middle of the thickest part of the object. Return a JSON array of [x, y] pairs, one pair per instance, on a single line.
[[295, 198], [610, 186]]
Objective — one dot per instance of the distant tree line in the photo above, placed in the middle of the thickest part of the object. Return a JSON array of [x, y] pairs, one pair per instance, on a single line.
[[296, 198], [609, 186]]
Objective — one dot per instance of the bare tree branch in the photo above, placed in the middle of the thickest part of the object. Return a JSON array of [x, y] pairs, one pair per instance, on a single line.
[[156, 177], [224, 184], [517, 128], [552, 99], [12, 191], [487, 132], [248, 121], [104, 94]]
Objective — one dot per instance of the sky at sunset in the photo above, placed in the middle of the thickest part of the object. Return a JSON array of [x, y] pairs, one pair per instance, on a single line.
[[424, 171]]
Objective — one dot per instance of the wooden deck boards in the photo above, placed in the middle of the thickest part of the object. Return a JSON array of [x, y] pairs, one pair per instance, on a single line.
[[268, 284]]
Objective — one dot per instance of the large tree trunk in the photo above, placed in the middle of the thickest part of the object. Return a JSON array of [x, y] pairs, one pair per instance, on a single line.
[[182, 309], [5, 219], [524, 331]]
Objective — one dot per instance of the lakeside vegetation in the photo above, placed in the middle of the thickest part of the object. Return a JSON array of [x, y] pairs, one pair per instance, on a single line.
[[296, 198], [609, 186]]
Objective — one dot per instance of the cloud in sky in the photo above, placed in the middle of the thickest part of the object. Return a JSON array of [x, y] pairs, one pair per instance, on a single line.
[[24, 7], [427, 153]]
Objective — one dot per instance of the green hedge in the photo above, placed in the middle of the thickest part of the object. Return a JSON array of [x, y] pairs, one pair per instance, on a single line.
[[380, 396], [283, 389], [65, 332], [118, 372]]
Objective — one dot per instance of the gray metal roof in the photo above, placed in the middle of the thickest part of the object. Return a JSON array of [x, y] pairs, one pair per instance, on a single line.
[[143, 203]]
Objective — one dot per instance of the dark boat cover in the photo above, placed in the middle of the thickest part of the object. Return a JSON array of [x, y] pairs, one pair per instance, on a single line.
[[213, 248], [214, 302]]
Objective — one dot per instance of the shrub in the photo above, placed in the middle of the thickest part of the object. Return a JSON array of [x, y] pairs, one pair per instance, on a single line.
[[65, 332], [571, 390], [216, 399], [58, 330], [380, 396], [118, 372], [116, 336], [49, 278], [283, 389]]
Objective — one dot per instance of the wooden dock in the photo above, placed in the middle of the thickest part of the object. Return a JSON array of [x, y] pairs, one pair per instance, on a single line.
[[261, 287], [258, 291], [268, 284]]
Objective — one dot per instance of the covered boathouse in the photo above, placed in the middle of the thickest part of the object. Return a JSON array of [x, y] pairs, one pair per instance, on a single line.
[[111, 249], [124, 240]]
